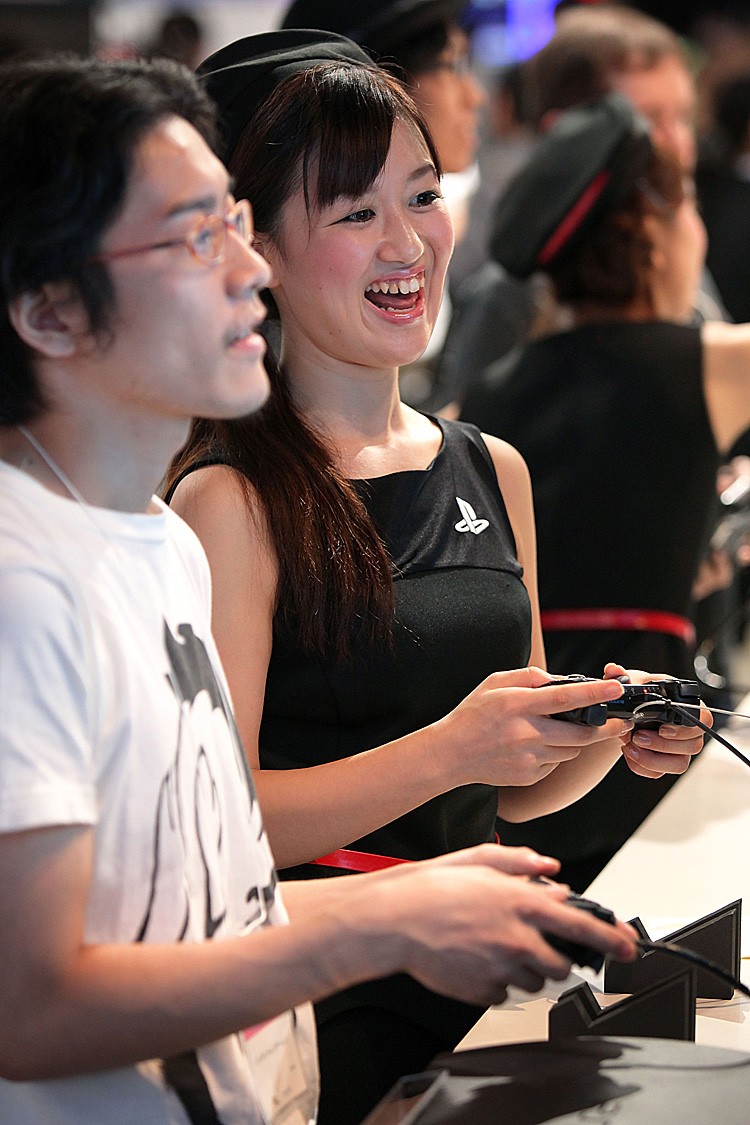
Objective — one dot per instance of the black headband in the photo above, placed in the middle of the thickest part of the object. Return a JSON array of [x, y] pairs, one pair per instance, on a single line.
[[240, 76]]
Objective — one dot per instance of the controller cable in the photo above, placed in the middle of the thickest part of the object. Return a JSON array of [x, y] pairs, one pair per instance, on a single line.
[[670, 947], [697, 959], [682, 709]]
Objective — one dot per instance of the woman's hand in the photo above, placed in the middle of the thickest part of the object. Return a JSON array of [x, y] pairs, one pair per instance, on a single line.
[[502, 733], [653, 753]]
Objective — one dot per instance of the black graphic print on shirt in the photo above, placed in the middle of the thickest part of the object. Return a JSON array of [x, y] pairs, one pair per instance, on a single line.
[[201, 799]]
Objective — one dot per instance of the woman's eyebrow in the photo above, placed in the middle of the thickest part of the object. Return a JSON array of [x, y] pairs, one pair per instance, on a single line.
[[423, 170]]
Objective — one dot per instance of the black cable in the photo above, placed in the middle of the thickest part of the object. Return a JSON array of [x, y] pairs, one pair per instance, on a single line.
[[696, 958], [697, 722]]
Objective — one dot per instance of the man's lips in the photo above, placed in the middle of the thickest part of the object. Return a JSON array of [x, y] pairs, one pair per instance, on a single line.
[[246, 340]]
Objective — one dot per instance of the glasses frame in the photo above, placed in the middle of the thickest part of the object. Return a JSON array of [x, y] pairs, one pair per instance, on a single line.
[[460, 66], [237, 219]]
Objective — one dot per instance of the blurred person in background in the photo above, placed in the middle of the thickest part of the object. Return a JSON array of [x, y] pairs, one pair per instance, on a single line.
[[595, 49], [621, 418], [613, 47], [179, 36], [422, 42], [723, 182]]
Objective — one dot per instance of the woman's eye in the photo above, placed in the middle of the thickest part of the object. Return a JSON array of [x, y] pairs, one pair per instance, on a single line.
[[359, 216], [426, 198]]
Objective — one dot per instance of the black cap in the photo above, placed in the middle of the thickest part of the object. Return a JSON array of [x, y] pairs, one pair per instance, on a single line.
[[379, 25], [577, 172], [240, 76]]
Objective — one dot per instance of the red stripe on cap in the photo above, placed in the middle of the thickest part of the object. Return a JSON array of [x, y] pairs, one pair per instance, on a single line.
[[575, 216]]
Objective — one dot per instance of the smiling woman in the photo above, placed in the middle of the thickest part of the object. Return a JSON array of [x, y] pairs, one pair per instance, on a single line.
[[373, 568], [342, 278]]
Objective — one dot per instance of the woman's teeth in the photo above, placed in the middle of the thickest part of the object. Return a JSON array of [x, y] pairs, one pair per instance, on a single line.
[[412, 285]]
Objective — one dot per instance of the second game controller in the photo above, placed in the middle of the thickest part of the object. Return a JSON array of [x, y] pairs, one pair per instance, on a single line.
[[581, 955]]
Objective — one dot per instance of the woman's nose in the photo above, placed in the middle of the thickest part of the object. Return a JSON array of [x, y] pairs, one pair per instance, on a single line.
[[400, 241]]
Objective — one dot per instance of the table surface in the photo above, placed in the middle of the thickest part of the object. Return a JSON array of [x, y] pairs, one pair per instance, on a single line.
[[690, 857]]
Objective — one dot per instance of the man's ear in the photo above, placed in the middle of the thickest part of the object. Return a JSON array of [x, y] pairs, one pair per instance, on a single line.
[[51, 319], [656, 234]]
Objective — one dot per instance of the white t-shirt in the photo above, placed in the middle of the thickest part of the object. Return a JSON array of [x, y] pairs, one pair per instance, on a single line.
[[114, 713]]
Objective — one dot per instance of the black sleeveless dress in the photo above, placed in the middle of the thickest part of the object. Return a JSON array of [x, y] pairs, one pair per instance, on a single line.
[[462, 612]]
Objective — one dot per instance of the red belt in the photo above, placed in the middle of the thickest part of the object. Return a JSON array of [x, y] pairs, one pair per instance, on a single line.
[[363, 861], [646, 620], [358, 861]]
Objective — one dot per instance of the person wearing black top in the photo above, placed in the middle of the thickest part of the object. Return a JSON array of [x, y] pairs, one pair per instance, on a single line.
[[373, 568], [621, 420]]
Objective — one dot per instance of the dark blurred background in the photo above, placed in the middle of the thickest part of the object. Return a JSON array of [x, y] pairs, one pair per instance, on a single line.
[[505, 29]]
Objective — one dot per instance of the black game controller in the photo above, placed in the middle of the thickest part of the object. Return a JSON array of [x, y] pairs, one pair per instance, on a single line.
[[647, 705], [581, 955]]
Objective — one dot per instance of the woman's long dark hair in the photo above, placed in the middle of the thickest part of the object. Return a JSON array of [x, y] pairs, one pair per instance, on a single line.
[[327, 130]]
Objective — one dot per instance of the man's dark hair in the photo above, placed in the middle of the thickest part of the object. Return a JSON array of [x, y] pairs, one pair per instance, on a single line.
[[68, 131]]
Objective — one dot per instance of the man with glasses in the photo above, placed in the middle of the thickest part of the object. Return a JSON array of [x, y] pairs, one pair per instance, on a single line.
[[419, 40], [140, 921]]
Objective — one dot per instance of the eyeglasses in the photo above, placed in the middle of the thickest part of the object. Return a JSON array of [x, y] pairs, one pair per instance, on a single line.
[[460, 65], [207, 241]]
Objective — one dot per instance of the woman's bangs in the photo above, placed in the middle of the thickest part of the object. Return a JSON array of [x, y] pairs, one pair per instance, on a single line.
[[356, 123]]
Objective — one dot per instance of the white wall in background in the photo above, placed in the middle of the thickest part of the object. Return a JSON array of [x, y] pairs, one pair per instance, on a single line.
[[134, 21]]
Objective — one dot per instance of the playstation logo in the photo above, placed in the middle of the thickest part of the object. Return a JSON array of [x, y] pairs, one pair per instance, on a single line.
[[470, 521]]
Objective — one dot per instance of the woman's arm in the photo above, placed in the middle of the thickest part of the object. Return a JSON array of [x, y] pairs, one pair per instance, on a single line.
[[651, 755], [726, 380], [498, 735], [243, 586]]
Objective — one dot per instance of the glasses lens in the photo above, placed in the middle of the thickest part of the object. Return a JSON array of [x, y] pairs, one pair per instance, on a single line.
[[461, 66], [209, 239]]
